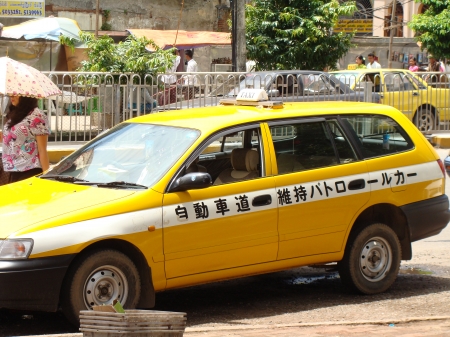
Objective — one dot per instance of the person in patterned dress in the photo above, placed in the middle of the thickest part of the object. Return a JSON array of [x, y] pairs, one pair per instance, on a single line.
[[25, 136]]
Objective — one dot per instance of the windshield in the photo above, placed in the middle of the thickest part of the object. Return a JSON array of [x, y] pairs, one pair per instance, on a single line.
[[130, 153], [347, 78]]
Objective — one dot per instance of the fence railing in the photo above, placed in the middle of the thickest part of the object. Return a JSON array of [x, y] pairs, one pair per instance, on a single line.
[[93, 102]]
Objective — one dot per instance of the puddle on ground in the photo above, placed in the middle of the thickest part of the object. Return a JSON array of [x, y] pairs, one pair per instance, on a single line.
[[312, 279], [415, 271]]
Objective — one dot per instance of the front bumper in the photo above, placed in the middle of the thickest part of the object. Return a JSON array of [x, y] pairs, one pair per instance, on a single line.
[[428, 217], [32, 284]]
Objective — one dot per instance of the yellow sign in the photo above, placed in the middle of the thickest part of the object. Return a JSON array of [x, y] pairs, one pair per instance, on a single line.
[[22, 9], [358, 25]]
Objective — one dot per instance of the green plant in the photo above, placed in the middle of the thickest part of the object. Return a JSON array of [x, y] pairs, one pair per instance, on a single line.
[[67, 41], [130, 56], [296, 34], [106, 25]]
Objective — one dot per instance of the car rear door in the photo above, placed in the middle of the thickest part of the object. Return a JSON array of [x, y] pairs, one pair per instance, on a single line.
[[321, 185]]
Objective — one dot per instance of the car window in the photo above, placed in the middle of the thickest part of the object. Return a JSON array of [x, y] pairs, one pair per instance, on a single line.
[[302, 146], [378, 135], [397, 82], [417, 82], [317, 85], [233, 156]]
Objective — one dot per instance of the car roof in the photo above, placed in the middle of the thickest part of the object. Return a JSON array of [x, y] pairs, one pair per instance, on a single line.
[[368, 70], [284, 72], [209, 119]]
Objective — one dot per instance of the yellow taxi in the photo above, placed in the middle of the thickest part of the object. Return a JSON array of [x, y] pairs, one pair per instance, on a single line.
[[426, 105], [182, 198]]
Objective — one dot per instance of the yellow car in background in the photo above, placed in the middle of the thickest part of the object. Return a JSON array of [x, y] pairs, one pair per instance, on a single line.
[[181, 198], [427, 106]]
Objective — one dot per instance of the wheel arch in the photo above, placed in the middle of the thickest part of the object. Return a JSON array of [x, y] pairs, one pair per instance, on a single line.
[[391, 216], [147, 297]]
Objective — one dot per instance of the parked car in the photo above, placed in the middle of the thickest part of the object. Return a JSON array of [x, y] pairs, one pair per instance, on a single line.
[[181, 198], [280, 85], [427, 106]]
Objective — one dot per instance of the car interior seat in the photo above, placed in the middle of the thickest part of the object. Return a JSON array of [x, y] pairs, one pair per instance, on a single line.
[[288, 163], [244, 164]]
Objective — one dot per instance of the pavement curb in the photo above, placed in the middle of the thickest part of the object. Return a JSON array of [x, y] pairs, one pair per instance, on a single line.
[[295, 325], [288, 325]]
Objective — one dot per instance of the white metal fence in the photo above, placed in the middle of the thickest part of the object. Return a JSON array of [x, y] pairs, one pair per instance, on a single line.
[[93, 102]]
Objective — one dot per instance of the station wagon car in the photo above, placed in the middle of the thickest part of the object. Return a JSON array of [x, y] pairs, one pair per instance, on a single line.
[[425, 105], [281, 85], [182, 198]]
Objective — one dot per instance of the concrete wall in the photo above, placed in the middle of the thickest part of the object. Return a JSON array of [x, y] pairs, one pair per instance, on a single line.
[[155, 14]]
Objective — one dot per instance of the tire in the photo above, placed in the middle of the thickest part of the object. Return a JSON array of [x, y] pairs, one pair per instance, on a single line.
[[100, 278], [372, 260], [424, 119]]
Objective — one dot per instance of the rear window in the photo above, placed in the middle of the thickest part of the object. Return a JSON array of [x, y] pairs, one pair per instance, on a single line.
[[378, 135]]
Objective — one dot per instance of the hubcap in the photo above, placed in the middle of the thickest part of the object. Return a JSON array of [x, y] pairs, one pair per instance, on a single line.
[[376, 259], [104, 285]]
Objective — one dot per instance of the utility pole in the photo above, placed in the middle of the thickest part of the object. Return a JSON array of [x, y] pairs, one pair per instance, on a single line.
[[233, 34], [96, 18], [391, 32], [241, 49]]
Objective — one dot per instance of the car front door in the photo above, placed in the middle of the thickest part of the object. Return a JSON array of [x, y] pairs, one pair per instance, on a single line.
[[321, 186], [401, 92], [231, 223]]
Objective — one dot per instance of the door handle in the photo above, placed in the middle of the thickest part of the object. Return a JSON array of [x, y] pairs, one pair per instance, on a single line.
[[262, 200], [415, 94], [357, 184]]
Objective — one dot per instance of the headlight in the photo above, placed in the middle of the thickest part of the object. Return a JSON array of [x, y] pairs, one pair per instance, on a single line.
[[15, 248]]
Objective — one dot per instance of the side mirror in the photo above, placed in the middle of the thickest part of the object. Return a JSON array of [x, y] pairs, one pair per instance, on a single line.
[[273, 93], [192, 181]]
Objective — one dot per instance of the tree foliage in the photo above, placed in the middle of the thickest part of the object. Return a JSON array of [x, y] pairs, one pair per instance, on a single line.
[[433, 27], [296, 34], [130, 56]]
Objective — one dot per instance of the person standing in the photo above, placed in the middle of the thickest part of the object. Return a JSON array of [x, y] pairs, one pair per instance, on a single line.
[[433, 66], [360, 62], [372, 63], [172, 78], [413, 64], [191, 80], [25, 136], [169, 95]]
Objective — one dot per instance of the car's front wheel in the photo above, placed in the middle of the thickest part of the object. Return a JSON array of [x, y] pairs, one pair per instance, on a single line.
[[372, 260], [99, 279]]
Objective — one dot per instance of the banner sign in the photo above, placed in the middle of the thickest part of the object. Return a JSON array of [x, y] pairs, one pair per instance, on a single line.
[[22, 9], [350, 25]]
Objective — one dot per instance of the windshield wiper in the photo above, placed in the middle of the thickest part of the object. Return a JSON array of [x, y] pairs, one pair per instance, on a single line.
[[121, 184], [58, 177]]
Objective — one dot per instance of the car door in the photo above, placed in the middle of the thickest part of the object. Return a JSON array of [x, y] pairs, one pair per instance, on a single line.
[[321, 185], [401, 92], [230, 224]]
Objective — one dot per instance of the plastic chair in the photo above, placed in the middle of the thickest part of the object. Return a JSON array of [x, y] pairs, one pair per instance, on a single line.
[[72, 109], [93, 105]]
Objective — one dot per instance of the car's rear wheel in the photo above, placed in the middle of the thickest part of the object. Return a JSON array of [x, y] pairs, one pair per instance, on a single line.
[[372, 260], [425, 119], [99, 279]]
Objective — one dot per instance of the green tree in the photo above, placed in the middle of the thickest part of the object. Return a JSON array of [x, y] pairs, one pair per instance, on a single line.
[[296, 34], [433, 27]]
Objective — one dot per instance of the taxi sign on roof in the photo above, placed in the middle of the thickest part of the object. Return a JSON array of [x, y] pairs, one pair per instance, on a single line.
[[253, 95]]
